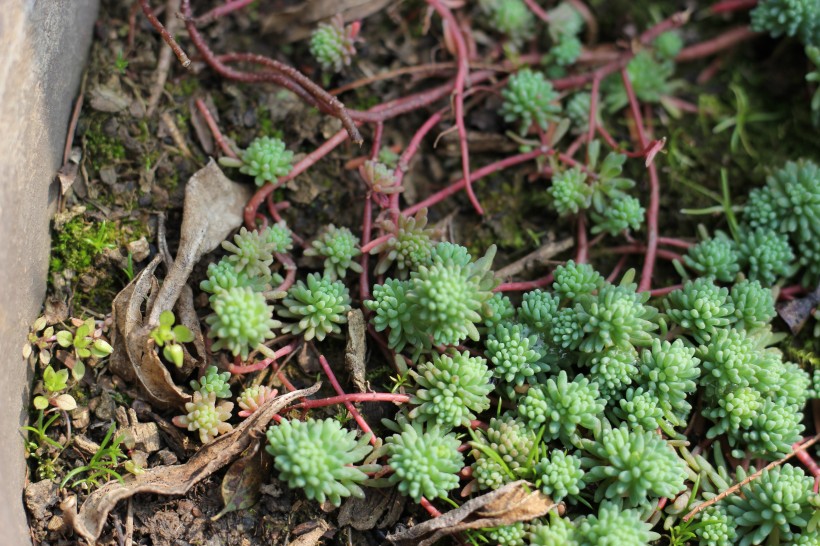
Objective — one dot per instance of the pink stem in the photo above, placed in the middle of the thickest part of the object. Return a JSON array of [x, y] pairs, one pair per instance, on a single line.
[[355, 397], [300, 167], [618, 267], [593, 107], [262, 364], [367, 247], [478, 174], [524, 286], [458, 93], [727, 6], [664, 291], [537, 10], [367, 228], [583, 241], [350, 407], [209, 119], [429, 507], [221, 11], [715, 45], [671, 241]]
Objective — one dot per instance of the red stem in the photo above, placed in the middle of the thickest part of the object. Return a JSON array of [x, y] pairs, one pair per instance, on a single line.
[[355, 397], [537, 10], [476, 175], [350, 407], [221, 11], [715, 45], [671, 241], [262, 364], [582, 241], [458, 95], [524, 286], [175, 47], [367, 227], [429, 507], [664, 291], [618, 267], [727, 6]]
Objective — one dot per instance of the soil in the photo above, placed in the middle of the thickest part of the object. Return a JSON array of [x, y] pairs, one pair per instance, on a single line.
[[132, 167]]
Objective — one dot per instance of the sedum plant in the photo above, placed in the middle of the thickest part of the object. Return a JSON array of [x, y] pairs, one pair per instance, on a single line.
[[205, 415], [213, 381], [266, 160], [529, 98], [425, 462], [560, 475], [560, 531], [224, 275], [332, 45], [451, 388], [614, 526], [511, 17], [515, 356], [717, 257], [251, 398], [573, 280], [570, 192], [508, 535], [502, 451], [623, 213], [669, 371], [339, 247], [318, 456], [633, 465], [320, 305], [800, 18], [241, 320], [715, 527], [250, 253], [409, 246], [701, 308], [766, 255]]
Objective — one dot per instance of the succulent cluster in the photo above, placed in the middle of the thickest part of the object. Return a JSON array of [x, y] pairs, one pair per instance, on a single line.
[[800, 18], [338, 246], [213, 381], [512, 18], [332, 45], [612, 209], [207, 416], [409, 244], [241, 320], [266, 159], [318, 456], [649, 72], [319, 307], [503, 452], [529, 98]]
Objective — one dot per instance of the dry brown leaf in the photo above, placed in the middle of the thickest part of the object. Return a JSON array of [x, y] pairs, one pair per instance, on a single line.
[[356, 349], [243, 480], [514, 502], [380, 508], [178, 479], [134, 358], [796, 312], [312, 537], [298, 21], [213, 208]]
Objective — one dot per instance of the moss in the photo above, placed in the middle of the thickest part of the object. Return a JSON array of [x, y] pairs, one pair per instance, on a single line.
[[100, 148]]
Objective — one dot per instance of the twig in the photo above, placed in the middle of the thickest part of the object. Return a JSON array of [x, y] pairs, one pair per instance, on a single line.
[[221, 11], [211, 122], [75, 116], [798, 447], [355, 397], [164, 63], [175, 47], [129, 523]]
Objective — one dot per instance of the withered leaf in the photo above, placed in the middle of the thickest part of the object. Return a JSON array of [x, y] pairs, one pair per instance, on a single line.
[[242, 482], [134, 358], [796, 312], [178, 479], [212, 209], [380, 508], [312, 537], [514, 502], [356, 348]]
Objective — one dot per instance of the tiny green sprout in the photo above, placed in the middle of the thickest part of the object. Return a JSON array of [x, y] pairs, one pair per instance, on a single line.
[[120, 64], [103, 464], [55, 382], [170, 337], [86, 343], [332, 45]]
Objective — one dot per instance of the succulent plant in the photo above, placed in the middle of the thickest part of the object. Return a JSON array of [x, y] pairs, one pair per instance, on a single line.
[[451, 388], [766, 255], [639, 408], [380, 177], [754, 304], [564, 19], [570, 192], [800, 18], [319, 306], [410, 246], [224, 275], [623, 213], [339, 247], [668, 45], [529, 98], [537, 310], [614, 526], [560, 475], [511, 442], [206, 416], [266, 159], [566, 50], [813, 53], [634, 464], [735, 410], [516, 356], [669, 371], [771, 504], [577, 110], [701, 307], [572, 280], [392, 311], [241, 320], [278, 236], [649, 78], [425, 463], [511, 17], [775, 427], [250, 253], [761, 211], [318, 456], [566, 330], [251, 398], [559, 532], [715, 527], [613, 370], [508, 535], [213, 381], [731, 359], [717, 257], [562, 406], [332, 45], [497, 310]]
